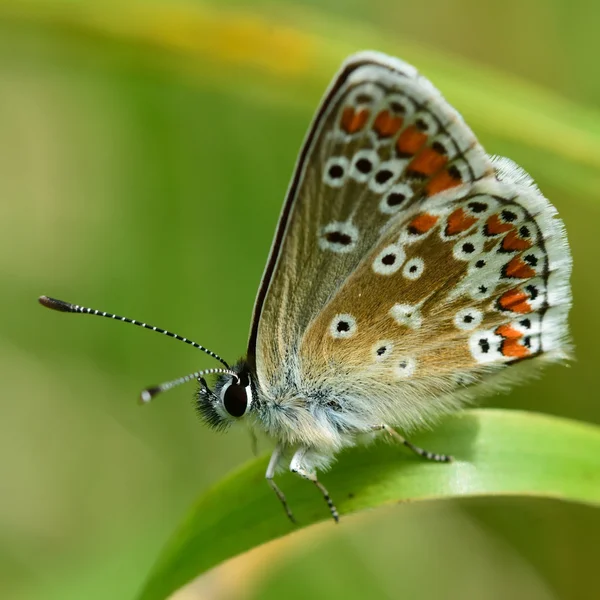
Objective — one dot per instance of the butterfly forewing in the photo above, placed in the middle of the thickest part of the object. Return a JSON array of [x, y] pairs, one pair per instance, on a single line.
[[383, 142]]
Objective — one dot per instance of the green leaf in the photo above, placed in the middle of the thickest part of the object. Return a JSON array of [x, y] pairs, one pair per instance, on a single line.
[[497, 453]]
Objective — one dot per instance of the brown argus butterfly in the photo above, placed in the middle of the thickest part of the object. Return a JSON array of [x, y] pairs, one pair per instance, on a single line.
[[410, 271]]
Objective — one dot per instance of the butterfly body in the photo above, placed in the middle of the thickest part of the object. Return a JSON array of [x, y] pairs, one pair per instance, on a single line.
[[410, 272]]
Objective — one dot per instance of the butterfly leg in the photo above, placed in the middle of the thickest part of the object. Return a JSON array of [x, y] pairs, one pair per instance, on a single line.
[[420, 451], [297, 466], [275, 457]]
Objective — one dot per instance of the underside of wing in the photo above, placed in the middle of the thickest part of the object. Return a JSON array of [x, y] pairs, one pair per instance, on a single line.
[[459, 291], [383, 142]]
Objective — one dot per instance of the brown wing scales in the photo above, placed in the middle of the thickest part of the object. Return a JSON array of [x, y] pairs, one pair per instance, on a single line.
[[384, 141], [458, 286]]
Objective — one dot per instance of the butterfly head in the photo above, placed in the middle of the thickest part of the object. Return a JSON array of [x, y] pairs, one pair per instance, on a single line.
[[231, 398]]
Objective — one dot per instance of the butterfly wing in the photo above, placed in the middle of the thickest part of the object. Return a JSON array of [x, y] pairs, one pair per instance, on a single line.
[[383, 141], [455, 290]]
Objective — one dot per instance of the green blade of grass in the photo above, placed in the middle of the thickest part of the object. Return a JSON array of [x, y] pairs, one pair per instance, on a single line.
[[497, 453]]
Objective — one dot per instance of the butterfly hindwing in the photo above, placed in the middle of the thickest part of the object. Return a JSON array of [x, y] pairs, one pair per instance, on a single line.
[[455, 290], [383, 141]]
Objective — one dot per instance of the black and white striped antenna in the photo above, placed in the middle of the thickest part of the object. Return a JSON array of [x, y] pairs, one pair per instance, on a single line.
[[148, 393]]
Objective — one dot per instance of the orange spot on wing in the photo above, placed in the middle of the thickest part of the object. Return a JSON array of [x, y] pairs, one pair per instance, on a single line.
[[386, 124], [517, 267], [459, 221], [514, 349], [428, 162], [495, 226], [422, 223], [512, 241], [515, 300], [509, 332], [440, 182], [411, 140], [354, 120]]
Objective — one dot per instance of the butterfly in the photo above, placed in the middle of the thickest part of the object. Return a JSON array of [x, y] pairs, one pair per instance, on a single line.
[[410, 271]]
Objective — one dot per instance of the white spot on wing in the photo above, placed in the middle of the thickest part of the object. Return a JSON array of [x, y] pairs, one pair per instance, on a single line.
[[468, 318], [381, 350], [347, 237], [468, 247], [335, 171], [389, 260], [397, 100], [343, 326], [407, 314], [445, 141], [395, 199], [426, 123], [368, 89], [385, 175], [405, 367], [364, 164], [414, 267], [485, 347]]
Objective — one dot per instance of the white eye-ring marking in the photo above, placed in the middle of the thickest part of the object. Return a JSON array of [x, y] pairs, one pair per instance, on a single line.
[[381, 350], [405, 367], [338, 237], [396, 199], [342, 326], [249, 396], [414, 267], [389, 260], [225, 411], [468, 318], [406, 314], [336, 170]]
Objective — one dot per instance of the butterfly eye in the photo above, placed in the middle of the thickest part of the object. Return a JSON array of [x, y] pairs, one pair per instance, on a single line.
[[236, 399]]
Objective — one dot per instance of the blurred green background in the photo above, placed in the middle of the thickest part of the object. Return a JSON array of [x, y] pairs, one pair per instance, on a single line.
[[145, 149]]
